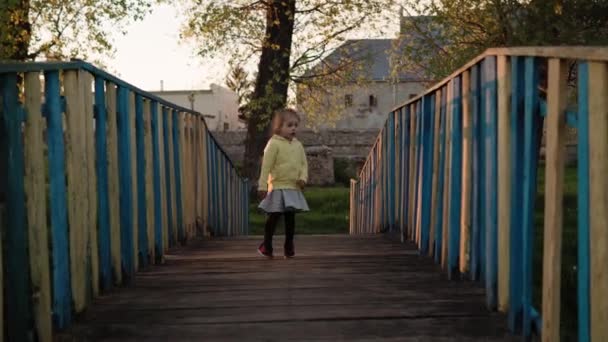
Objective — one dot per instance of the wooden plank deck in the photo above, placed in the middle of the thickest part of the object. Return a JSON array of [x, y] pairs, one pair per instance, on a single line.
[[337, 288]]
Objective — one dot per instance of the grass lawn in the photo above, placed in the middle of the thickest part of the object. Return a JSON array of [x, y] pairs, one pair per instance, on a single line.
[[328, 213]]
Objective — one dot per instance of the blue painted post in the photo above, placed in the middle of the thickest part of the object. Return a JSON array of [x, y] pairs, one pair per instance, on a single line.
[[177, 147], [517, 151], [247, 200], [158, 223], [441, 177], [583, 204], [475, 174], [215, 180], [427, 178], [455, 177], [532, 139], [491, 179], [418, 170], [391, 172], [17, 271], [126, 187], [169, 228], [103, 201], [383, 178], [481, 172], [406, 170], [62, 289], [399, 164], [141, 182]]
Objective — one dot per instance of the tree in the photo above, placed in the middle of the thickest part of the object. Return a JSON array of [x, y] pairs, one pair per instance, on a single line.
[[238, 81], [56, 29], [450, 33], [288, 36]]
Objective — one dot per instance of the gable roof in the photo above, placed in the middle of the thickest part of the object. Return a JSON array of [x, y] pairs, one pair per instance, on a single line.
[[378, 56]]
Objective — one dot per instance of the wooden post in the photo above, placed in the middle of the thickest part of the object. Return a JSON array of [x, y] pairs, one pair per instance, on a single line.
[[78, 201], [598, 199], [113, 182], [134, 180], [447, 175], [35, 193], [504, 181], [554, 183], [62, 299], [434, 190], [85, 80], [149, 178], [467, 150]]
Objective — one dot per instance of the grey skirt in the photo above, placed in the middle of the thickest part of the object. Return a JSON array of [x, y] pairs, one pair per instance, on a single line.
[[284, 200]]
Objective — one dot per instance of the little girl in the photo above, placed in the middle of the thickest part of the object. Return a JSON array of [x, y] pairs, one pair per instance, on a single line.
[[283, 176]]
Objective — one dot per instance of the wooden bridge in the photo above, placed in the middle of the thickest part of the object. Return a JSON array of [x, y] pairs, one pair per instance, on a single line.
[[103, 180]]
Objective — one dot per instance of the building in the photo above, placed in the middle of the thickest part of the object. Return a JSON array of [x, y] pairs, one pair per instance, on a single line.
[[371, 90], [218, 104]]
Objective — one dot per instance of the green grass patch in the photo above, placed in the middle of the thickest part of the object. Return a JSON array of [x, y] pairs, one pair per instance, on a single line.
[[328, 213]]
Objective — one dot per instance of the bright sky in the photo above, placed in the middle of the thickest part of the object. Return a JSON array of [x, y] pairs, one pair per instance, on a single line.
[[151, 52]]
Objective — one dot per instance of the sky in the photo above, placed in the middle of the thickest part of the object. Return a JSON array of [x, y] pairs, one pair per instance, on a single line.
[[151, 51]]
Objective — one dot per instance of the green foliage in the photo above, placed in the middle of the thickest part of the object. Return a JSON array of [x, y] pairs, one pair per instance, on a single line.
[[60, 29], [344, 171], [456, 31]]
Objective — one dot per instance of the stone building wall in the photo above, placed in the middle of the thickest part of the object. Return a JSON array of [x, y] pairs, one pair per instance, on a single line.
[[344, 144]]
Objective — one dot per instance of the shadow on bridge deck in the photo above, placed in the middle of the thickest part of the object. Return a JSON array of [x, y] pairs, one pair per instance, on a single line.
[[337, 288]]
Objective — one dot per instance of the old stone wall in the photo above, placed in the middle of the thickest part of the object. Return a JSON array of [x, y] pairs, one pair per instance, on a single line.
[[320, 166], [344, 144]]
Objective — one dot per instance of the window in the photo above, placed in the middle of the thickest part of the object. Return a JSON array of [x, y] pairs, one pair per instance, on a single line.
[[373, 101], [348, 100], [226, 126]]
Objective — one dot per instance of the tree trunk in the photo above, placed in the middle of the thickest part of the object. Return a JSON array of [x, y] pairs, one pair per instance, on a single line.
[[271, 84]]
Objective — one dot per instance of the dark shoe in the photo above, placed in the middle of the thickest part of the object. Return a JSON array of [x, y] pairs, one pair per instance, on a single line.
[[264, 251], [289, 250]]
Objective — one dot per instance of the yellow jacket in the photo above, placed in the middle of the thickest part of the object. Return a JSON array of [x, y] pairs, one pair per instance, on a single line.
[[283, 165]]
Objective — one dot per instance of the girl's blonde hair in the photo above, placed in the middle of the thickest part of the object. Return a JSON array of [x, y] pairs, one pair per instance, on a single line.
[[280, 116]]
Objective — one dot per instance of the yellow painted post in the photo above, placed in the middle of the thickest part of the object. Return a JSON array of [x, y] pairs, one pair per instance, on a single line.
[[78, 201], [448, 171], [86, 86], [504, 180], [134, 175], [149, 177], [192, 133], [113, 185], [378, 202], [183, 153], [35, 194], [163, 179], [598, 198], [467, 151], [554, 184], [191, 159], [434, 191], [204, 184], [173, 204], [412, 185]]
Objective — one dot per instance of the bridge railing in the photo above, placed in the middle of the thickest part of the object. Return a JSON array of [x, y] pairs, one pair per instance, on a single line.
[[455, 171], [100, 179]]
